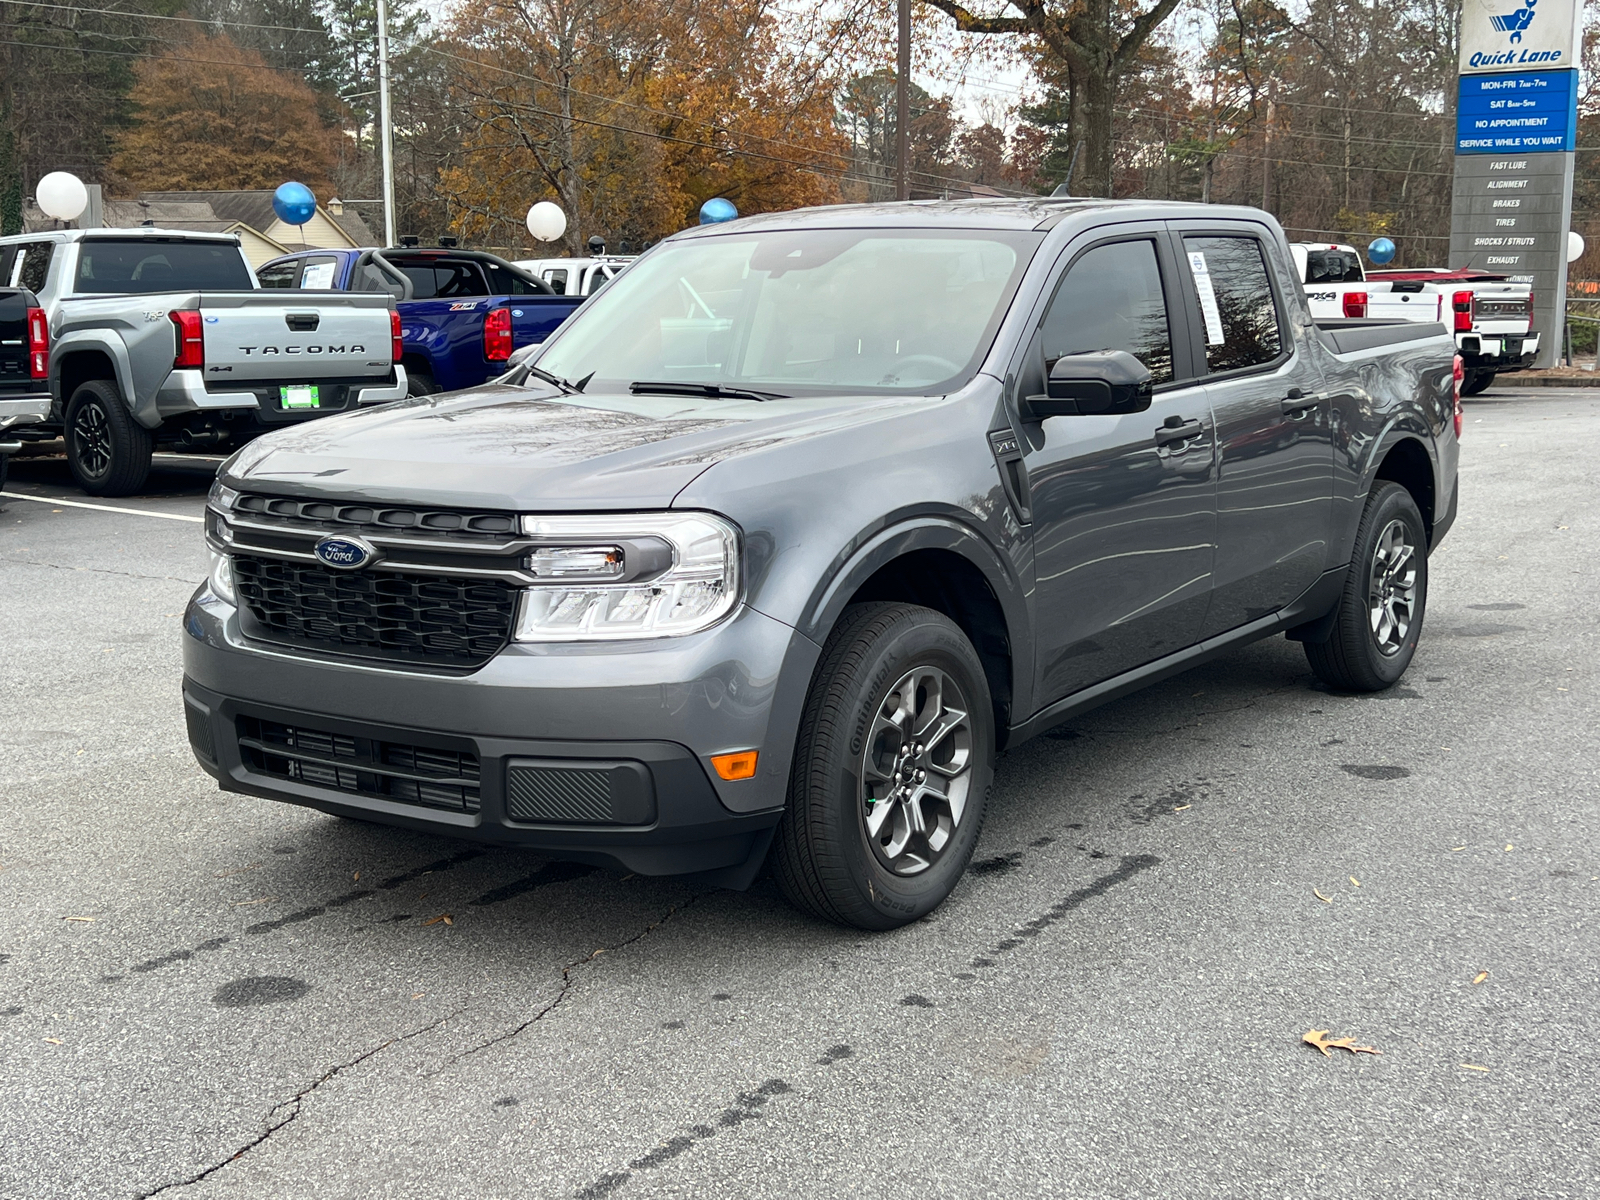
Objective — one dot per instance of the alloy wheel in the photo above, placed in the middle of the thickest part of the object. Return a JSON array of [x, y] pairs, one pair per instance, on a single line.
[[916, 770], [91, 433], [1392, 595]]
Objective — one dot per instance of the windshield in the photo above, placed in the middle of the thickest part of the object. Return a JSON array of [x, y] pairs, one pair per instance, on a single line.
[[147, 265], [799, 310], [1332, 266]]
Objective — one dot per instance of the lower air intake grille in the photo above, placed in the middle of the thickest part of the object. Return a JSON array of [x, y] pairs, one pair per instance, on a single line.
[[362, 766], [417, 618]]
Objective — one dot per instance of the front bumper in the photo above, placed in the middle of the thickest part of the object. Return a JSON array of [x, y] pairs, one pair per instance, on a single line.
[[23, 410], [649, 714]]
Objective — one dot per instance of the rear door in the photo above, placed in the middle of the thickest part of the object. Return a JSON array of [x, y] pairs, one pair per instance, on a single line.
[[1273, 422], [1123, 507]]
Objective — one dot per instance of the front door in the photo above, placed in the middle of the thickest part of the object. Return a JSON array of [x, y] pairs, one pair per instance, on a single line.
[[1274, 439], [1124, 507]]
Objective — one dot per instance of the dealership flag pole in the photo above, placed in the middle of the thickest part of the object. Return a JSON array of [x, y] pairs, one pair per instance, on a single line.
[[386, 132]]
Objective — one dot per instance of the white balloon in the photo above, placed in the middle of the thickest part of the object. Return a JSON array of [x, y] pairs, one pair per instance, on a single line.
[[546, 221], [1574, 245], [62, 195]]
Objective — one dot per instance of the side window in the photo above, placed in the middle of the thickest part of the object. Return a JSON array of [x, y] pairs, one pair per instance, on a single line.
[[1112, 299], [459, 279], [279, 275], [557, 281], [1237, 310], [423, 284], [35, 265], [8, 255], [505, 282], [369, 278], [319, 274]]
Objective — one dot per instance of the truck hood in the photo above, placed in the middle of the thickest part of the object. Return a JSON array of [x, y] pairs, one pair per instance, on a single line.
[[524, 449]]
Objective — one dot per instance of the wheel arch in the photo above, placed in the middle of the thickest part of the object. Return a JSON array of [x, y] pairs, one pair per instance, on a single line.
[[76, 361], [1407, 459], [942, 565]]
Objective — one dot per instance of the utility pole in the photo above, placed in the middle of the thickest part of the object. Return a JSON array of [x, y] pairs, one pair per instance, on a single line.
[[902, 107], [385, 127], [1266, 156]]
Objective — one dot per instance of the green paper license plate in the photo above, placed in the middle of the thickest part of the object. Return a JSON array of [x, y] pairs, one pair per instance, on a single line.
[[299, 397]]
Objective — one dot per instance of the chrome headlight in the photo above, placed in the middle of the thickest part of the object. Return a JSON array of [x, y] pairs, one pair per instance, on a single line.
[[628, 576], [221, 497]]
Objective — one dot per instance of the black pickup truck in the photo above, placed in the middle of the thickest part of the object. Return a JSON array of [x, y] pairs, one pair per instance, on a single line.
[[784, 535], [24, 368]]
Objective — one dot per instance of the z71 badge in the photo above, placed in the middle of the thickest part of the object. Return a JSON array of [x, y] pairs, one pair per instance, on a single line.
[[463, 307]]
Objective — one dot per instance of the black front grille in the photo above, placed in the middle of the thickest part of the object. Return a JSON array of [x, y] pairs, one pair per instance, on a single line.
[[362, 766], [417, 618], [343, 517]]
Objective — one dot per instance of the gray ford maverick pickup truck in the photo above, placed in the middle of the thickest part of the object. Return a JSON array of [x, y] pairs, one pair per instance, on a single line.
[[785, 534]]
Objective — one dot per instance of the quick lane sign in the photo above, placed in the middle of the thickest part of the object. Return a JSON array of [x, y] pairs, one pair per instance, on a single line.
[[1512, 35]]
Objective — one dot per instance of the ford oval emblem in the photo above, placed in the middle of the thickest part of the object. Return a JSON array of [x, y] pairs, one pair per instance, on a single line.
[[345, 553]]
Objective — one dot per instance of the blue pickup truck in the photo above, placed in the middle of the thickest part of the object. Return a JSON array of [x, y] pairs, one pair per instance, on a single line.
[[462, 312]]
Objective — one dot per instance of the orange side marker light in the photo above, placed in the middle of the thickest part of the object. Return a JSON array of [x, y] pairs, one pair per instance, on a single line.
[[741, 764]]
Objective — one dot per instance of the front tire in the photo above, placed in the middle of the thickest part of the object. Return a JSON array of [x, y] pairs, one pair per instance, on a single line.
[[107, 450], [1379, 618], [892, 770]]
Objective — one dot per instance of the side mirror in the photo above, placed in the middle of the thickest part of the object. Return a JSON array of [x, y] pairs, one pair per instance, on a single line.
[[1096, 383], [522, 354]]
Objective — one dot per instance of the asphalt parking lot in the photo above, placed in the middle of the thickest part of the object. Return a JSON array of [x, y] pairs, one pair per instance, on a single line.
[[211, 995]]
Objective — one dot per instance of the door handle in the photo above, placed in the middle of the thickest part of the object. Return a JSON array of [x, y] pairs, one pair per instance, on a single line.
[[1179, 431], [1297, 403]]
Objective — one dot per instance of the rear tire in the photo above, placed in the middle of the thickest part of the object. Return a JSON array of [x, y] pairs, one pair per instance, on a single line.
[[107, 450], [5, 466], [891, 772], [420, 383], [1379, 617], [1476, 381]]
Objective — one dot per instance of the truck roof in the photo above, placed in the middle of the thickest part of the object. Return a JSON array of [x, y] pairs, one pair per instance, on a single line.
[[121, 234], [1027, 212]]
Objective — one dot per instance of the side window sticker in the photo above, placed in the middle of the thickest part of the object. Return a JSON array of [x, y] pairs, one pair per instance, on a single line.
[[1208, 298]]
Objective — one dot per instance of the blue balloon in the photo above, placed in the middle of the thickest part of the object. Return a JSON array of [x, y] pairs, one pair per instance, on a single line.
[[717, 210], [1380, 251], [294, 203]]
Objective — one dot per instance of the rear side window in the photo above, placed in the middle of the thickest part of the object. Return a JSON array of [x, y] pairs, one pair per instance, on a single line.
[[444, 280], [557, 281], [279, 275], [141, 265], [1112, 299], [369, 278], [506, 282], [1238, 313], [33, 265], [1332, 266]]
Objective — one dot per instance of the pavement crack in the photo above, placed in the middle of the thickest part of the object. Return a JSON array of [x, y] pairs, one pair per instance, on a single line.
[[567, 981], [285, 1111], [34, 562]]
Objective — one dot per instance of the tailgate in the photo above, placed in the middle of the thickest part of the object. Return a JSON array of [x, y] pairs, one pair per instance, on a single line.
[[14, 372], [1406, 306], [251, 337]]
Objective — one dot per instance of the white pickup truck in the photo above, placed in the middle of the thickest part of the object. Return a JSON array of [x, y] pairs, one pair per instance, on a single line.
[[163, 337], [1492, 318]]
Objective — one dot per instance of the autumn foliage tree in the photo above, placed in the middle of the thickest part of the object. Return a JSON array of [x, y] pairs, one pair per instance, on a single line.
[[630, 116], [212, 115]]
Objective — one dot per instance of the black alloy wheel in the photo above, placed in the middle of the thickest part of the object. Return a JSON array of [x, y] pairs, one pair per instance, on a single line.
[[107, 450], [892, 770], [1379, 616]]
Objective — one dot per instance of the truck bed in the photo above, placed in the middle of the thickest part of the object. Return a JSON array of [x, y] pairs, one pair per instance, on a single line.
[[1349, 336]]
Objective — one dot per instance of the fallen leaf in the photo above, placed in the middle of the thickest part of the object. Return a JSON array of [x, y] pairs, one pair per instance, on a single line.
[[248, 903], [1181, 807], [1320, 1039], [54, 1041], [449, 921], [1355, 881], [1473, 1067], [236, 871], [424, 896], [445, 917], [88, 919], [1509, 846], [1453, 849], [418, 995], [1480, 977], [357, 875], [1320, 896]]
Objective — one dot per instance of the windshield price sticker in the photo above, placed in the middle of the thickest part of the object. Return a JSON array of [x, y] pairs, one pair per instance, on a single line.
[[1208, 298], [300, 397]]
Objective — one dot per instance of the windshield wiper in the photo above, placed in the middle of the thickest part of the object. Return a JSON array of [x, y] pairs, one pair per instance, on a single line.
[[712, 391], [567, 389]]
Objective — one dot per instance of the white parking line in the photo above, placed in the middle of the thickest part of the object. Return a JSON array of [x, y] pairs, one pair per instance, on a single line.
[[136, 512]]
